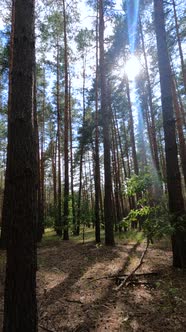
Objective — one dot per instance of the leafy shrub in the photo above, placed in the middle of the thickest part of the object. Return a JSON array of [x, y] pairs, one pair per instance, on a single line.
[[155, 221]]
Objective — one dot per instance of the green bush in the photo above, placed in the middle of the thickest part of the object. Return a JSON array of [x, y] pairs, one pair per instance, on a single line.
[[155, 221]]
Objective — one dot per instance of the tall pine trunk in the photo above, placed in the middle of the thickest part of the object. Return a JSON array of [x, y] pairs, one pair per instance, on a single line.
[[81, 155], [176, 203], [152, 125], [71, 165], [179, 126], [66, 127], [131, 124], [97, 162], [106, 121], [58, 225], [183, 65], [20, 306], [4, 227], [40, 221], [41, 161]]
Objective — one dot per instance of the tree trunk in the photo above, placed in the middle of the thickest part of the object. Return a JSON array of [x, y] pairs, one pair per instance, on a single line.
[[132, 138], [97, 163], [179, 126], [81, 154], [5, 227], [54, 176], [20, 306], [71, 166], [42, 164], [115, 124], [183, 65], [152, 126], [116, 189], [66, 127], [176, 203], [106, 120], [40, 221], [59, 207]]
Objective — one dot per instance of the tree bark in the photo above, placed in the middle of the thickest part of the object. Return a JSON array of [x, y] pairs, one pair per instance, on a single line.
[[41, 161], [106, 120], [20, 306], [183, 65], [4, 227], [176, 203], [40, 220], [59, 207], [152, 126], [71, 166], [97, 162], [132, 138], [66, 127], [179, 126]]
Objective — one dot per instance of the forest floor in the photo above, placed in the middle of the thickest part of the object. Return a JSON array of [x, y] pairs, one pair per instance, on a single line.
[[77, 288]]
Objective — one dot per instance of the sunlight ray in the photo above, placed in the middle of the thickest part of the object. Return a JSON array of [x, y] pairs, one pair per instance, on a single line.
[[132, 19]]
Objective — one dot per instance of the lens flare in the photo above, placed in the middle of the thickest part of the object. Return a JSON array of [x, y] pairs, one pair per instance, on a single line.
[[132, 67], [132, 20]]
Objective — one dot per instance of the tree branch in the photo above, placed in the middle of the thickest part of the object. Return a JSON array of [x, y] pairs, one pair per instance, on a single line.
[[45, 328], [123, 283]]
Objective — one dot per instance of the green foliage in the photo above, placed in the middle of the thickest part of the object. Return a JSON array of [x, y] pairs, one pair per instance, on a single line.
[[49, 221], [84, 40], [142, 182], [155, 221]]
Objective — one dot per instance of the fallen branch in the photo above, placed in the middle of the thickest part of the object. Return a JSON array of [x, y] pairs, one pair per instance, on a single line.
[[101, 278], [122, 276], [45, 328], [139, 283], [138, 275], [124, 282], [74, 301]]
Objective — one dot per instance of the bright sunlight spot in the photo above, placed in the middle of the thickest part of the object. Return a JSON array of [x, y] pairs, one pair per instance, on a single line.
[[132, 67]]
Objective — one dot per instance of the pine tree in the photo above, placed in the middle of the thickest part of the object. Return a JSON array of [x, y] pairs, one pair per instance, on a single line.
[[176, 203], [20, 307], [106, 121]]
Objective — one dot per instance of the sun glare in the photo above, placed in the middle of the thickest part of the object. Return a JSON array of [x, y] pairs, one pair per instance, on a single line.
[[132, 67]]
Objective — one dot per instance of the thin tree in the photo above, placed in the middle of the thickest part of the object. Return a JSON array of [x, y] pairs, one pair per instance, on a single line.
[[42, 157], [20, 306], [71, 163], [97, 162], [40, 219], [131, 125], [183, 66], [152, 126], [66, 128], [179, 126], [59, 205]]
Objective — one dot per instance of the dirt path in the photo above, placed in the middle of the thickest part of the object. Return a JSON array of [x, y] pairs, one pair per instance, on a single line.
[[74, 295]]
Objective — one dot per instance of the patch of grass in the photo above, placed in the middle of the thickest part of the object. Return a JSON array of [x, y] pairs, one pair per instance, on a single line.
[[89, 236], [130, 236], [49, 238]]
